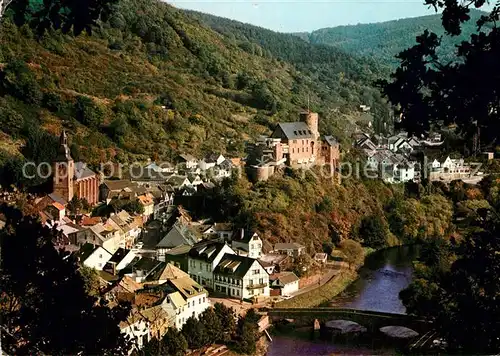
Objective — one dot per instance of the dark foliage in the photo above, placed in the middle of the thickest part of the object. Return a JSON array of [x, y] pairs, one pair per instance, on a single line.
[[44, 303]]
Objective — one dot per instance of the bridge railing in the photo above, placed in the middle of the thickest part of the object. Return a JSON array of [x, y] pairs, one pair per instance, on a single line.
[[342, 310]]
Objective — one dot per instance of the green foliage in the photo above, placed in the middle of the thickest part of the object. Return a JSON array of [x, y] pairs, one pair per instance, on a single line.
[[433, 91], [373, 230], [65, 15], [383, 41], [91, 280], [37, 281], [462, 290], [18, 80], [195, 333], [353, 252], [247, 333], [88, 113], [173, 343]]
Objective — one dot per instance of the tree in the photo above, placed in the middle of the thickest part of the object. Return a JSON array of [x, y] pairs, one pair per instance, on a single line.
[[174, 343], [213, 325], [353, 252], [18, 80], [463, 300], [247, 333], [88, 112], [227, 318], [373, 231], [195, 333], [431, 92], [65, 15], [90, 280], [44, 304]]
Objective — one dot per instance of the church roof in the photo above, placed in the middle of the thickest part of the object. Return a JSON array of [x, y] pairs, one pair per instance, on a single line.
[[82, 171]]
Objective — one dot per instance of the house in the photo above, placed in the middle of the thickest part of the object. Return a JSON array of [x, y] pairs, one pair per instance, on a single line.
[[178, 182], [123, 290], [268, 266], [178, 235], [224, 169], [164, 167], [147, 201], [223, 231], [119, 260], [247, 243], [404, 172], [159, 320], [187, 191], [141, 268], [93, 256], [104, 235], [164, 273], [181, 298], [129, 226], [275, 262], [286, 282], [178, 256], [210, 161], [188, 160], [241, 277], [196, 181], [291, 249], [137, 329], [203, 257], [320, 257]]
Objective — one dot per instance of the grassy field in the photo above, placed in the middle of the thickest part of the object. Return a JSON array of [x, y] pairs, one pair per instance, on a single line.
[[322, 294]]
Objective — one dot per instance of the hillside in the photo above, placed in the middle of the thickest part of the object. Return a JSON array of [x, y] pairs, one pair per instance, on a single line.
[[382, 41], [154, 81]]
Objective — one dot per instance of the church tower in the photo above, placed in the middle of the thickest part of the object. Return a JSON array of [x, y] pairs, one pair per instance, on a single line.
[[63, 170]]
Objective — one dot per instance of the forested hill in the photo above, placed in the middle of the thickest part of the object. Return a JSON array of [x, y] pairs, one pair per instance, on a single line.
[[155, 80], [382, 41]]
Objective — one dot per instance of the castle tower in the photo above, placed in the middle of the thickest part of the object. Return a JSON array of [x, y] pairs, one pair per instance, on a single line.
[[63, 170], [311, 119]]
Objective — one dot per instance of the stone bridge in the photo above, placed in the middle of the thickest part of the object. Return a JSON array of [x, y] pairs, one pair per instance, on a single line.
[[371, 320]]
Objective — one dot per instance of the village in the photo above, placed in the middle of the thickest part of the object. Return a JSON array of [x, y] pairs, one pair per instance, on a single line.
[[147, 249]]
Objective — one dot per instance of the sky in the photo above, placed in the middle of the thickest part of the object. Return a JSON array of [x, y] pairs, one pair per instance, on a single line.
[[307, 15]]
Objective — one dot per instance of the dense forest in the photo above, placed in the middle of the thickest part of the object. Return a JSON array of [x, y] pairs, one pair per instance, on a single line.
[[383, 41], [153, 80]]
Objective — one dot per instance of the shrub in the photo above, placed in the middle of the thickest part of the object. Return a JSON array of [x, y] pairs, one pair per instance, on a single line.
[[88, 112]]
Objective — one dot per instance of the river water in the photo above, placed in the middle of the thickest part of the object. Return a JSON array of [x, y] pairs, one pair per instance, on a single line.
[[384, 274]]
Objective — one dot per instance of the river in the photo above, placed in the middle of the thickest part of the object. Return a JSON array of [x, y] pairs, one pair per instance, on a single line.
[[384, 274]]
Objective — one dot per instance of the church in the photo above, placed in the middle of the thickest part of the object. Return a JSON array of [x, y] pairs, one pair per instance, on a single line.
[[72, 179]]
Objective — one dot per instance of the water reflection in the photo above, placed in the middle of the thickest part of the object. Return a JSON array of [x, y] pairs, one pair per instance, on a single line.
[[383, 276]]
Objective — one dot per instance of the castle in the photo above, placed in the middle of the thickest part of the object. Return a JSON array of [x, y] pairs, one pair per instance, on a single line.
[[72, 179], [293, 144]]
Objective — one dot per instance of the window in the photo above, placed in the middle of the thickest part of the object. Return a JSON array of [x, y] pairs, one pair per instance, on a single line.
[[293, 150], [302, 149], [199, 302], [238, 292], [189, 304], [100, 255], [262, 290], [203, 299], [255, 271], [201, 266], [250, 283], [208, 268], [261, 280]]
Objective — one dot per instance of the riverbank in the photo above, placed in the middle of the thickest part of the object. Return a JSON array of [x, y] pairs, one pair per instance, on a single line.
[[323, 293]]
